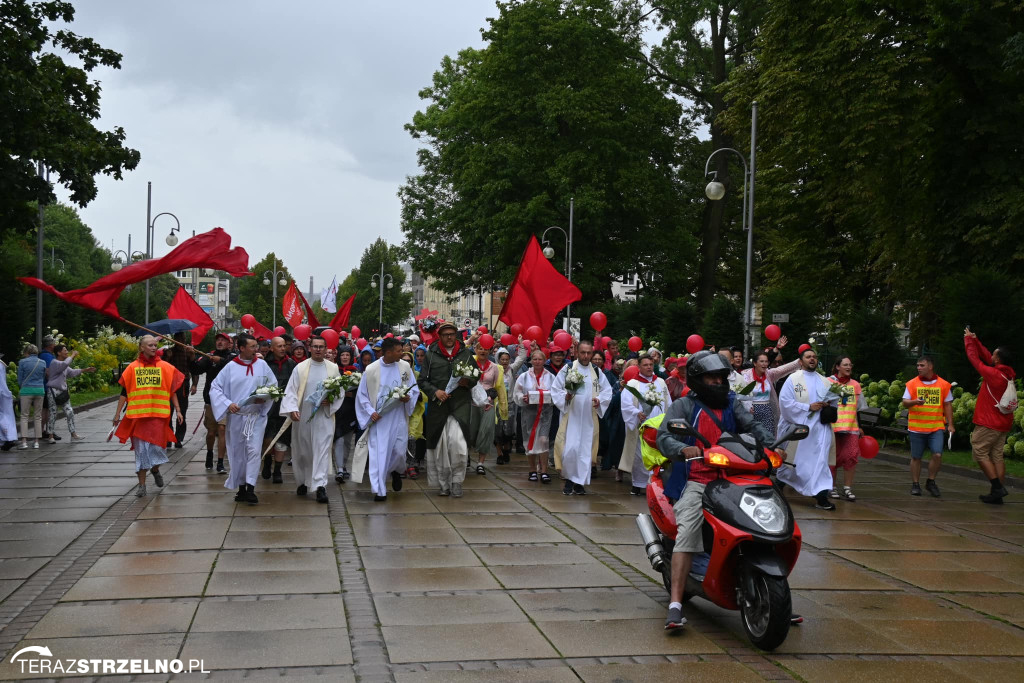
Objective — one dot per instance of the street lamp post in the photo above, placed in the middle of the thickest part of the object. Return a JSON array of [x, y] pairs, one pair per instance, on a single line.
[[171, 239], [384, 280], [53, 260], [549, 252], [716, 190], [277, 276]]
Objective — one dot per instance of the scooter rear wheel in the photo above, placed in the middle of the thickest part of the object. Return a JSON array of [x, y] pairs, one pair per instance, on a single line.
[[765, 610]]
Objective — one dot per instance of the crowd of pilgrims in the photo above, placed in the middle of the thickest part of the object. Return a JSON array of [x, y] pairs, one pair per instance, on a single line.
[[520, 415]]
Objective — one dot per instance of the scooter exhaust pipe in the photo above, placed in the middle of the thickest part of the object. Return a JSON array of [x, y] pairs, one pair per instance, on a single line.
[[652, 541]]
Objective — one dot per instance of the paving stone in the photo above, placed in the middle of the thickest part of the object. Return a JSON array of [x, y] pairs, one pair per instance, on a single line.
[[896, 672], [72, 621], [395, 558], [178, 563], [543, 534], [280, 648], [562, 553], [139, 586], [557, 576], [1008, 607], [21, 567], [452, 642], [447, 609], [658, 673], [861, 605], [555, 674], [623, 637], [588, 605], [429, 579], [322, 612], [952, 637]]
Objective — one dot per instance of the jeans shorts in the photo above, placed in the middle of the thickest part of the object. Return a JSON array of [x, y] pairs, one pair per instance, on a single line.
[[929, 441]]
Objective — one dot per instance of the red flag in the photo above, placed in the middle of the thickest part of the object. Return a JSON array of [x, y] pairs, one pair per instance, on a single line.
[[538, 292], [290, 305], [209, 250], [310, 318], [184, 307], [261, 331], [340, 320]]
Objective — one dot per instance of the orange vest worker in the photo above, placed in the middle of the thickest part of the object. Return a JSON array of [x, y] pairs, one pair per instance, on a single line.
[[927, 418], [149, 384]]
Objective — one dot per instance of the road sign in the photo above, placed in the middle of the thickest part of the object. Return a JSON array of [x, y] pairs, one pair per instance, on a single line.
[[468, 322], [780, 317]]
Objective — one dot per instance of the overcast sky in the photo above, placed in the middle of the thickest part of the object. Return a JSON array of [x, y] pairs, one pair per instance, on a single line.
[[279, 121]]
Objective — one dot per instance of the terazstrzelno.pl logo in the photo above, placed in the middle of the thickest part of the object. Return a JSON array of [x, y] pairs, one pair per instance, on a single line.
[[39, 660]]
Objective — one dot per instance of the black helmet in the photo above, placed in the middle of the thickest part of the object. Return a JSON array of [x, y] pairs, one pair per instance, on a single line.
[[708, 363]]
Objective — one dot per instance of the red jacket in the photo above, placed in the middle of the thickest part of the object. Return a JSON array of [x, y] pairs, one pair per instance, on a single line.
[[993, 385]]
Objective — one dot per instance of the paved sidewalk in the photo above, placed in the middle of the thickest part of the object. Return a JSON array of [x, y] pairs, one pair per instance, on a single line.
[[514, 581]]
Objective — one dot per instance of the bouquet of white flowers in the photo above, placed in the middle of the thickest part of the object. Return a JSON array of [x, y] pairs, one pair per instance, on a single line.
[[328, 390], [263, 393], [468, 370], [350, 380], [651, 397], [573, 381], [391, 397], [742, 390]]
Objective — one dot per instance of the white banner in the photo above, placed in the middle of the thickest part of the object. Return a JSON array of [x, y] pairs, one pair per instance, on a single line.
[[329, 297]]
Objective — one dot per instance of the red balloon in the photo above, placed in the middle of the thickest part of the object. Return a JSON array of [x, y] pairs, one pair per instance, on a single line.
[[507, 339], [486, 341], [482, 329], [635, 343], [606, 340], [356, 332], [632, 372], [772, 332], [361, 343], [563, 340], [598, 320], [302, 332], [278, 331], [694, 343], [868, 447], [516, 330], [535, 333], [248, 320], [389, 335], [344, 334], [331, 338]]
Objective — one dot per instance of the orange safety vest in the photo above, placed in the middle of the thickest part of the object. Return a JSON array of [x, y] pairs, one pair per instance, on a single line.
[[927, 418], [149, 389], [847, 421]]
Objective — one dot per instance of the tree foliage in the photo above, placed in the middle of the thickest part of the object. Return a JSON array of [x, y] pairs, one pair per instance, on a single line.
[[869, 339], [889, 153], [366, 309], [48, 109], [557, 105]]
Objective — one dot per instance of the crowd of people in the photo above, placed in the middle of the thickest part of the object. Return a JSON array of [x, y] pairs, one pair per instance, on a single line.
[[572, 410]]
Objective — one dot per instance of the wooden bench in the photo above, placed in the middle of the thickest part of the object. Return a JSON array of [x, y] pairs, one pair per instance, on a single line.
[[898, 429]]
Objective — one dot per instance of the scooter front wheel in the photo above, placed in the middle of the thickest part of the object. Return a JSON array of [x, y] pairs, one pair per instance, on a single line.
[[765, 609]]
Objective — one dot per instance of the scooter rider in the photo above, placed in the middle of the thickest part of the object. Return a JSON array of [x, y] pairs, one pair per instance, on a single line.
[[710, 409]]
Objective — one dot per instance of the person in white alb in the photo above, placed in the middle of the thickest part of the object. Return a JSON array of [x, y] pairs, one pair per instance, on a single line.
[[634, 412], [577, 440]]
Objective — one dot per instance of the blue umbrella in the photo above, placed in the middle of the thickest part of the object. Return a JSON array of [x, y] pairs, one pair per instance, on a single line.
[[167, 327]]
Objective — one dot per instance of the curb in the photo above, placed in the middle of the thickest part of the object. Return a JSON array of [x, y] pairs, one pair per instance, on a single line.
[[899, 458]]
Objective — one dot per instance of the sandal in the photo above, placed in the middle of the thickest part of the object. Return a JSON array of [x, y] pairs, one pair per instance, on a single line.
[[545, 479], [533, 476], [848, 493], [833, 494], [480, 469]]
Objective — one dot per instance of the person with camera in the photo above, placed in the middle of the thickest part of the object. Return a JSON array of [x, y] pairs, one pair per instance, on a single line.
[[57, 394]]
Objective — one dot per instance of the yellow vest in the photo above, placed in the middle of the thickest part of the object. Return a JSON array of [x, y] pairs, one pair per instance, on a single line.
[[149, 389], [847, 421], [927, 418], [651, 455]]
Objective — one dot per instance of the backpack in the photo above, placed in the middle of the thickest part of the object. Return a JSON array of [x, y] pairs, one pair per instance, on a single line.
[[1007, 403]]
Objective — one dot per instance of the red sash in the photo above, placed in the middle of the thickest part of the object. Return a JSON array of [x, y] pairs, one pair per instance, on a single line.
[[536, 420]]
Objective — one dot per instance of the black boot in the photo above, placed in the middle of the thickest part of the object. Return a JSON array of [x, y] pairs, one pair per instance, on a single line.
[[250, 495], [321, 494], [268, 461], [220, 466], [277, 473], [240, 496], [396, 481], [209, 459]]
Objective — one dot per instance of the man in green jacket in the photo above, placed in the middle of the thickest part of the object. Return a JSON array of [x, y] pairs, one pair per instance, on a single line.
[[446, 422]]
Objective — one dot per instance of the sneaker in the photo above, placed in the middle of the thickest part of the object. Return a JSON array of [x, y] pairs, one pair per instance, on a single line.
[[56, 437], [915, 489], [302, 490], [278, 479], [321, 495], [834, 493], [932, 488], [456, 490], [848, 493], [444, 491], [338, 477], [567, 489], [396, 481], [636, 491], [267, 464], [141, 491], [991, 499], [345, 476], [76, 437], [35, 445], [52, 440], [220, 466], [22, 446], [379, 499], [158, 479], [824, 504], [413, 473], [209, 460], [578, 490], [675, 619]]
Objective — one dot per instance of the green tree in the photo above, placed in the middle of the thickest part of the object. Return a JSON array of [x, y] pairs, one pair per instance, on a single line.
[[558, 105], [48, 109], [366, 307], [721, 325], [803, 310], [257, 298], [870, 341]]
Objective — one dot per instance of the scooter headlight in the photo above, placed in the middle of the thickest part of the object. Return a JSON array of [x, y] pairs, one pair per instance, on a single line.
[[766, 512]]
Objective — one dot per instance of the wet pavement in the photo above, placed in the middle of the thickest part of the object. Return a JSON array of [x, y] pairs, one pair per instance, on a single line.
[[512, 582]]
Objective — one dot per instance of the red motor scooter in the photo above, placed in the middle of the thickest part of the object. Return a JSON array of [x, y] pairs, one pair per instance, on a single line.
[[750, 538]]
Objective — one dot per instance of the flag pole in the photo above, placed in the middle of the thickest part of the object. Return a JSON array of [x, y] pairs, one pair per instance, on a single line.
[[163, 336]]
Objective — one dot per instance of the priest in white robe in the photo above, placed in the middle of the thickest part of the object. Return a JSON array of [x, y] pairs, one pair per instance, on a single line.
[[576, 443], [8, 426], [312, 440], [235, 383], [385, 437], [800, 402], [634, 413]]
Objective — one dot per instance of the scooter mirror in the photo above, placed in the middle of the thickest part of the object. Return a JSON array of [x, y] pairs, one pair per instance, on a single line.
[[794, 433]]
